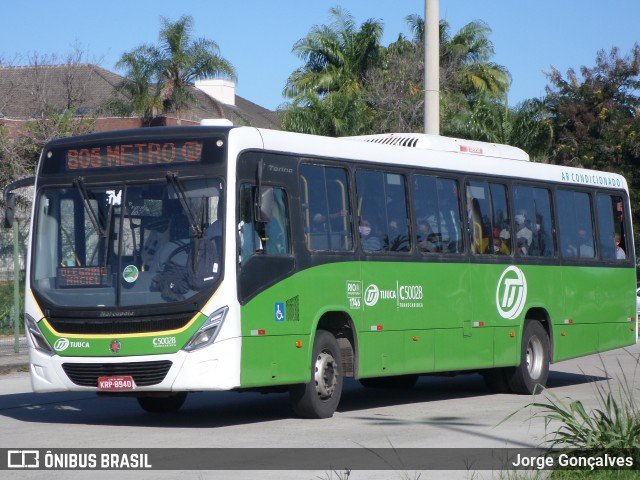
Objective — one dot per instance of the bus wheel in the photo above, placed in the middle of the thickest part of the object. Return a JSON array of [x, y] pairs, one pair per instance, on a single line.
[[320, 397], [168, 404], [531, 375]]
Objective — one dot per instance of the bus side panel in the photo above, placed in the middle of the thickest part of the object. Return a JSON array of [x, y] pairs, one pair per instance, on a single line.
[[274, 360], [419, 351], [595, 318], [424, 304], [381, 353], [480, 331], [278, 324], [455, 349], [609, 335], [506, 346]]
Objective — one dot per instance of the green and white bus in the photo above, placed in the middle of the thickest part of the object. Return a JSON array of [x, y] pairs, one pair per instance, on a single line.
[[171, 260]]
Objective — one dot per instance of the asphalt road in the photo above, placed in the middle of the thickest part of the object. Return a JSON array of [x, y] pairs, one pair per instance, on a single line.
[[440, 412]]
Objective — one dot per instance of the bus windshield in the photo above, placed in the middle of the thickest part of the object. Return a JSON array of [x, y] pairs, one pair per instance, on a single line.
[[118, 244]]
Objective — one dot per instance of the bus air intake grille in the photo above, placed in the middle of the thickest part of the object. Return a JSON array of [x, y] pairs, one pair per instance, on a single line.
[[119, 325], [144, 373]]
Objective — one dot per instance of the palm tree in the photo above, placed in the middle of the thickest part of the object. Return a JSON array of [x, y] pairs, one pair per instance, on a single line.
[[181, 60], [465, 58], [331, 82], [468, 78], [528, 125], [470, 51], [160, 76], [139, 87]]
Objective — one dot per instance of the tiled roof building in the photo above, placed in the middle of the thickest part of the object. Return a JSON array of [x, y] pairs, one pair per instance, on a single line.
[[26, 92]]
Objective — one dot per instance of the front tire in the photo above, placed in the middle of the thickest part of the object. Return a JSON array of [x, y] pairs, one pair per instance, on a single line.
[[320, 397], [168, 404], [531, 375]]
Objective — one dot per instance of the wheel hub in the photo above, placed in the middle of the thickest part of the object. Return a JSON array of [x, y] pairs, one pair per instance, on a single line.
[[326, 372], [534, 357]]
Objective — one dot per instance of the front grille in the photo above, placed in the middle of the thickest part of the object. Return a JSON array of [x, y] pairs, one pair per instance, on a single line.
[[119, 325], [144, 373]]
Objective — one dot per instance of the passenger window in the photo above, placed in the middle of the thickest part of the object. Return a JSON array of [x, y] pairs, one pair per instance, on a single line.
[[488, 216], [262, 238], [438, 221], [533, 212], [575, 224], [382, 211], [613, 241], [326, 212]]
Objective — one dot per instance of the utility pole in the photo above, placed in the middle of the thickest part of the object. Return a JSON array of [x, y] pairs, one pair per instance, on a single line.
[[431, 67]]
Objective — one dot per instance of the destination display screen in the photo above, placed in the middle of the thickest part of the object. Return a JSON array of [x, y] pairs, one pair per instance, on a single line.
[[133, 154], [82, 277], [164, 148]]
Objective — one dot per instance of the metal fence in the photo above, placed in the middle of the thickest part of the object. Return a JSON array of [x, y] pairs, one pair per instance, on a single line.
[[12, 337]]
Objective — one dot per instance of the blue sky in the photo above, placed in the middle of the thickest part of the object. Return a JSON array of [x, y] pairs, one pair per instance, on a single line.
[[257, 36]]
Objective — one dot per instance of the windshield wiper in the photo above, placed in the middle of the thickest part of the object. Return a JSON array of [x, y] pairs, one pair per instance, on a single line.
[[196, 224], [93, 217]]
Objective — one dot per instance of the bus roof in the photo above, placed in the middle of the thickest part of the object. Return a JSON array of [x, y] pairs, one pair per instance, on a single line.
[[441, 153], [445, 144]]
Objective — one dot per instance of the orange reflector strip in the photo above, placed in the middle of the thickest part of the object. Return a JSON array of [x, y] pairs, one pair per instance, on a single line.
[[512, 334], [414, 338], [564, 334], [299, 344]]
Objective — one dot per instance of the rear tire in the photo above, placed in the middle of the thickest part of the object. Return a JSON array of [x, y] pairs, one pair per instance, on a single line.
[[531, 375], [168, 404], [320, 397]]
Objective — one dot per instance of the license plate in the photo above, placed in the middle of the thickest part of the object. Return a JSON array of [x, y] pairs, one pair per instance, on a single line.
[[116, 383]]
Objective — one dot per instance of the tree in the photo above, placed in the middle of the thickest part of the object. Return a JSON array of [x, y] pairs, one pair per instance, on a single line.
[[181, 60], [596, 117], [159, 77], [140, 90], [53, 115], [328, 91], [470, 83]]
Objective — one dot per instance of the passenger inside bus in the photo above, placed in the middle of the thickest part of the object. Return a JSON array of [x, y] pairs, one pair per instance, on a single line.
[[368, 240], [500, 242], [524, 235], [620, 253]]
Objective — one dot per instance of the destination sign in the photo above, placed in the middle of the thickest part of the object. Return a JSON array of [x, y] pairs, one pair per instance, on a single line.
[[82, 277], [135, 154]]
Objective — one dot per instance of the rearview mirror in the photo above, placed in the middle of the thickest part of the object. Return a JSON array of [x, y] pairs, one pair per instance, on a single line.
[[9, 209], [264, 204]]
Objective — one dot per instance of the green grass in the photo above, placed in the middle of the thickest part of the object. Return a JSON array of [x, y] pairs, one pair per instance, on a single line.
[[594, 475]]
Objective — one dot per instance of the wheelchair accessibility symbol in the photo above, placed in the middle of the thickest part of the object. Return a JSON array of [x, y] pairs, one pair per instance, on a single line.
[[279, 312]]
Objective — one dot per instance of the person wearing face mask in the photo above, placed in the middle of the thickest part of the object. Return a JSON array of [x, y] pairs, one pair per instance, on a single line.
[[524, 235], [369, 242]]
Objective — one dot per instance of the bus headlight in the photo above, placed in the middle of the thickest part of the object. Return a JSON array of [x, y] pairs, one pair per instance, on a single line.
[[38, 340], [208, 332]]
